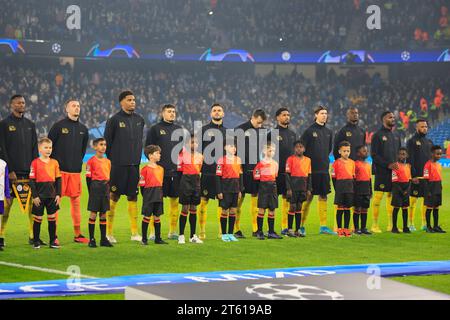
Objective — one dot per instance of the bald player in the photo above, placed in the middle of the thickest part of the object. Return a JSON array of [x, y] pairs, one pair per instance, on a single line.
[[351, 133]]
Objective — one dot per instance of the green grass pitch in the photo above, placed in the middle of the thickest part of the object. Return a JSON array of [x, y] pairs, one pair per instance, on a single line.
[[129, 257]]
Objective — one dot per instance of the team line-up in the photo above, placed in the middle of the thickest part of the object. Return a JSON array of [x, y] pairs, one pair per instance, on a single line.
[[40, 172]]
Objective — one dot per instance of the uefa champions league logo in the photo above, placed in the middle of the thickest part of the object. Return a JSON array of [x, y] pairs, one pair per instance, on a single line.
[[273, 291], [13, 45], [405, 55], [286, 56], [242, 55], [169, 53], [56, 48]]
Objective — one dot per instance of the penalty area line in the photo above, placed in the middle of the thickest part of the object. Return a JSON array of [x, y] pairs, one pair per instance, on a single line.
[[47, 270]]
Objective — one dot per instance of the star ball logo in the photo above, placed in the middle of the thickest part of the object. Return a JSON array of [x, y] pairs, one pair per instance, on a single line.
[[56, 48], [169, 53], [286, 56], [405, 55], [73, 20], [273, 291]]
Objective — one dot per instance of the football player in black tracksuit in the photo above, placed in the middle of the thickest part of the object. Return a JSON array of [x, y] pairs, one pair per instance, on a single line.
[[419, 152], [285, 139], [249, 136], [210, 133], [124, 134], [161, 135], [70, 138], [318, 142], [385, 145], [18, 148], [352, 133]]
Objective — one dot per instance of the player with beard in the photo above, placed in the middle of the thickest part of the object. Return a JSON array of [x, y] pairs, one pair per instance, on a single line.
[[385, 145], [419, 152], [210, 134]]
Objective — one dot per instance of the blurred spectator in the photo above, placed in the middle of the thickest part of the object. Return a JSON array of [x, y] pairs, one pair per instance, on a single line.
[[194, 90], [251, 24]]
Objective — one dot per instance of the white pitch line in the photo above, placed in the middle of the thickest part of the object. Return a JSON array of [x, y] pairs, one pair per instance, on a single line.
[[20, 266]]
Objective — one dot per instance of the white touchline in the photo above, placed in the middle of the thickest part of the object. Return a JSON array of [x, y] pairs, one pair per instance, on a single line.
[[16, 265]]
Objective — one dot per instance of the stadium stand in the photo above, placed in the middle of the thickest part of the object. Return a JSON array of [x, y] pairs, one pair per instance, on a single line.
[[194, 89], [293, 24]]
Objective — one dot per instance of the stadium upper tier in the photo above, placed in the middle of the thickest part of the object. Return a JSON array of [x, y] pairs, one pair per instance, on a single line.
[[251, 24]]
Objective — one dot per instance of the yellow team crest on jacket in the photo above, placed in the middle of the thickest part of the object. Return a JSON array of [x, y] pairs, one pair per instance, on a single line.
[[122, 124]]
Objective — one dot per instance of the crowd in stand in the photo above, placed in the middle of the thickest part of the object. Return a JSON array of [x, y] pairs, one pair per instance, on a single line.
[[258, 24], [194, 91], [409, 24]]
